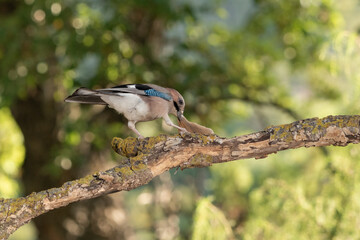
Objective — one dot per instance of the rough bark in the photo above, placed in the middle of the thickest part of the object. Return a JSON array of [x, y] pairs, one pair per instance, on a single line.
[[149, 157]]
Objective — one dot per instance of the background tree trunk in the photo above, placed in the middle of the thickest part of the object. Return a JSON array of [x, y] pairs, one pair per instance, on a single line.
[[37, 117]]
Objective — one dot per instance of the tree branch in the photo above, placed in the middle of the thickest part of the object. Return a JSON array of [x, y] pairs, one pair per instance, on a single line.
[[149, 157]]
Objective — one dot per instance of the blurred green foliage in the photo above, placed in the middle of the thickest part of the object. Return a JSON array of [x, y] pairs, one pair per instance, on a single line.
[[322, 204], [210, 222], [241, 66], [12, 153]]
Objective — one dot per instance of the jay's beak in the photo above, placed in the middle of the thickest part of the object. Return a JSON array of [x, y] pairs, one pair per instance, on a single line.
[[179, 115]]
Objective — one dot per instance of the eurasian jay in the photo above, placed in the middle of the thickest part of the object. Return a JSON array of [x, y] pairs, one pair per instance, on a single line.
[[137, 102]]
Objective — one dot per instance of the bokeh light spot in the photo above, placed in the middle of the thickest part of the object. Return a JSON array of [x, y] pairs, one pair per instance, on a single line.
[[22, 71], [42, 67], [290, 53], [88, 40], [39, 16], [55, 9]]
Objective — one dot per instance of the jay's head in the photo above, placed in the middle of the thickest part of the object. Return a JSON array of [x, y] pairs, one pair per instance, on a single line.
[[178, 104]]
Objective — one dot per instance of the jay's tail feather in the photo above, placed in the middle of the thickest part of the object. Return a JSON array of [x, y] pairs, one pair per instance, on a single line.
[[86, 96], [194, 127]]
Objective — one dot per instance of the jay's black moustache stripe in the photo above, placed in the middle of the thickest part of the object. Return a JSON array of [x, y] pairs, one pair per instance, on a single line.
[[176, 106]]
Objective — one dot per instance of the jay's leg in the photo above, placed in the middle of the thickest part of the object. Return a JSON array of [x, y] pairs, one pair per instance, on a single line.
[[131, 125], [171, 124]]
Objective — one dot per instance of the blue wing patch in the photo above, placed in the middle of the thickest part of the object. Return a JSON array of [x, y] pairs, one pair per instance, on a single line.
[[152, 92]]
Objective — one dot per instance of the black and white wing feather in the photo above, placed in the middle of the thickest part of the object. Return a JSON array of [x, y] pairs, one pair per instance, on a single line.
[[87, 96], [150, 90]]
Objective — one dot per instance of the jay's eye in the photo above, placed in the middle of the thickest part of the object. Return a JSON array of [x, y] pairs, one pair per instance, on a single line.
[[181, 102]]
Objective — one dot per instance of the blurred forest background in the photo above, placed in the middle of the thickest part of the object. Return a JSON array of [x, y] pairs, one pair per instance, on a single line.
[[240, 65]]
